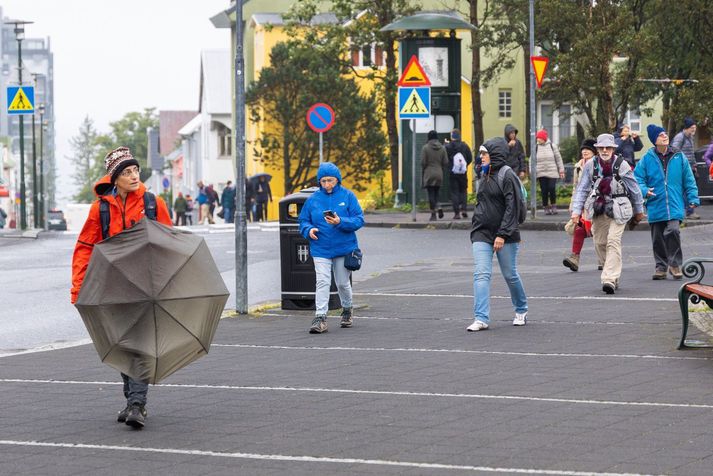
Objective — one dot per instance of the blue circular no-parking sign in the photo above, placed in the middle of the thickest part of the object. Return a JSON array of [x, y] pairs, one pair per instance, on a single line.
[[320, 117]]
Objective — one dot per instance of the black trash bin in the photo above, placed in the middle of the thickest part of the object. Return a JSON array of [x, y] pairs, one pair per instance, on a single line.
[[296, 265]]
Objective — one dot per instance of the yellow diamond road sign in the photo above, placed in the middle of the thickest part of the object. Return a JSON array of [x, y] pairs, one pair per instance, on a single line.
[[20, 99]]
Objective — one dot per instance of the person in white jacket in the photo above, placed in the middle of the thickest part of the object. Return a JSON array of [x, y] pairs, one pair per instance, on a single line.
[[549, 169]]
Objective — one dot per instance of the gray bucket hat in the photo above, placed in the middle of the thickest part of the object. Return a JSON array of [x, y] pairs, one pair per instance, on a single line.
[[605, 140]]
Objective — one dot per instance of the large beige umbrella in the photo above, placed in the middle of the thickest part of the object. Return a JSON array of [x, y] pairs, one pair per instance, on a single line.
[[151, 299]]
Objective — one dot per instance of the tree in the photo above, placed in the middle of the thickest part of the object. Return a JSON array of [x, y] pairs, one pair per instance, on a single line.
[[301, 74], [359, 28], [130, 131], [84, 156]]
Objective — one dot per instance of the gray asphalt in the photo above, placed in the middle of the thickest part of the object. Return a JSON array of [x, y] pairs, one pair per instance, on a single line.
[[593, 384]]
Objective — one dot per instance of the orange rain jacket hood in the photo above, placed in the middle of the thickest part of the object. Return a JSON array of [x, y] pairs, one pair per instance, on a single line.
[[123, 216]]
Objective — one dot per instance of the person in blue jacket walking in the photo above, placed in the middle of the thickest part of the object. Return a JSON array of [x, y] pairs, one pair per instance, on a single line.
[[668, 186], [329, 220]]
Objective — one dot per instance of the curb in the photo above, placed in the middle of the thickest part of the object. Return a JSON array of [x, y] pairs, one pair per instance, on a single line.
[[529, 225], [31, 234]]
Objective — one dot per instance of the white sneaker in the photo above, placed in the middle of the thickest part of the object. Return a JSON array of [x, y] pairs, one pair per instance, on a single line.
[[477, 326], [520, 319]]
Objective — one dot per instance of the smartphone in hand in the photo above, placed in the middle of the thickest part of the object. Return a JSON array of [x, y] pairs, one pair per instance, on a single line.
[[329, 213]]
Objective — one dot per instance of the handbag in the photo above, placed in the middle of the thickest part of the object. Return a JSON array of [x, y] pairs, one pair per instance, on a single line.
[[352, 261], [221, 213]]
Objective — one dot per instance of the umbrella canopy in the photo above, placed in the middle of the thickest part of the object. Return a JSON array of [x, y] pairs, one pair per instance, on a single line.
[[151, 300], [256, 177]]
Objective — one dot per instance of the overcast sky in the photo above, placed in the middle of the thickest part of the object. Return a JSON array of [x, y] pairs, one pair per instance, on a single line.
[[113, 57]]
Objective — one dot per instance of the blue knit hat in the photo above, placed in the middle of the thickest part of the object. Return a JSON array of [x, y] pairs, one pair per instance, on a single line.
[[688, 122], [653, 131]]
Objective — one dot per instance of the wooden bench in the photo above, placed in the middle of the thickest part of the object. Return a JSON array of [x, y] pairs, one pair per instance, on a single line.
[[695, 292]]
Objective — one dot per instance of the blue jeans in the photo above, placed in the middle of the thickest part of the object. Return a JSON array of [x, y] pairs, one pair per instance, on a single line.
[[507, 259], [135, 391], [324, 267], [228, 214]]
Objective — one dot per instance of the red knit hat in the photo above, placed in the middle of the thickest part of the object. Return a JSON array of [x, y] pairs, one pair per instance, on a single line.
[[541, 134]]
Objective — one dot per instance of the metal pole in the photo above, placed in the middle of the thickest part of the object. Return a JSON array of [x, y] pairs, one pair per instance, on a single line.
[[533, 118], [42, 172], [35, 207], [321, 143], [23, 209], [413, 171], [241, 225]]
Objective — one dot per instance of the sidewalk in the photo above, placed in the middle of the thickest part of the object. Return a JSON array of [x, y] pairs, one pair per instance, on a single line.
[[388, 219], [31, 233]]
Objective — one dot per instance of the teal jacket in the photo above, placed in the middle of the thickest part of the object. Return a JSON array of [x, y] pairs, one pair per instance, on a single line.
[[675, 188]]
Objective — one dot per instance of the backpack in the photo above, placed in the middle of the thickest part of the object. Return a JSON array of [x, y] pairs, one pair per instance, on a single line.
[[105, 213], [460, 166], [521, 194], [615, 173]]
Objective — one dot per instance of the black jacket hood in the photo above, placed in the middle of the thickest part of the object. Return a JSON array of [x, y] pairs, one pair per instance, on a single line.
[[508, 129], [498, 149]]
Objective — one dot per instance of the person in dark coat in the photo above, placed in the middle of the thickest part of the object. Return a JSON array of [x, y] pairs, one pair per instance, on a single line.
[[516, 152], [495, 229], [249, 200], [433, 160], [627, 144], [228, 201], [213, 200], [263, 194], [459, 173], [180, 206]]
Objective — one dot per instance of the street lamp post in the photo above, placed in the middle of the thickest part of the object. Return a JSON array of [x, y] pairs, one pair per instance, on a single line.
[[35, 208], [20, 35], [241, 227], [42, 163]]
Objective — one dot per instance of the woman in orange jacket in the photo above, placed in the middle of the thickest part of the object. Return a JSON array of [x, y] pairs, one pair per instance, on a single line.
[[123, 190]]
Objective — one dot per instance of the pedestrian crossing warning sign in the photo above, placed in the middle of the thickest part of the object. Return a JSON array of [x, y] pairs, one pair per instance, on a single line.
[[414, 103], [413, 74], [20, 99]]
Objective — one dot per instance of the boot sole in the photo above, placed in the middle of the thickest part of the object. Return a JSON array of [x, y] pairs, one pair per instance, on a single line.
[[570, 265], [135, 423], [346, 325], [608, 288], [317, 331]]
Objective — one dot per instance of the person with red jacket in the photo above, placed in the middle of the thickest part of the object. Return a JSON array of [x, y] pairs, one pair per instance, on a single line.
[[123, 190]]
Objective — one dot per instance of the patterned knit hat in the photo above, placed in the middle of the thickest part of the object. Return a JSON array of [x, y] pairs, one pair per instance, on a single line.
[[117, 160]]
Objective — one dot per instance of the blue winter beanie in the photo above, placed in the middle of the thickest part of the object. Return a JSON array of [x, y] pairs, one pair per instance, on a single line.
[[653, 132], [688, 122]]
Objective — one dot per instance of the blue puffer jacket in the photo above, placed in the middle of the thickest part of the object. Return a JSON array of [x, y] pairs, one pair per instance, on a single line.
[[674, 190], [333, 240]]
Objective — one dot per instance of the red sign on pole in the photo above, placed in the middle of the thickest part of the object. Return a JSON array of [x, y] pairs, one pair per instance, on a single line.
[[539, 66], [413, 75]]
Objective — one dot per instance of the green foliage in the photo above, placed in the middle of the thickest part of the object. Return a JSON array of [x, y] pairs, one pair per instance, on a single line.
[[569, 149], [84, 156], [301, 74], [382, 197]]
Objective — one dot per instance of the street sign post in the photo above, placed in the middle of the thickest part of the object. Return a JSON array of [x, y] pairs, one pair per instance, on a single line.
[[414, 103], [20, 100], [320, 118]]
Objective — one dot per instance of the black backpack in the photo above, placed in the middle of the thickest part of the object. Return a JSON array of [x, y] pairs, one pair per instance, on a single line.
[[105, 213], [520, 193]]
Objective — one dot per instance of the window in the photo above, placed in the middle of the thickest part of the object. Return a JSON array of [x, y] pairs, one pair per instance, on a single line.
[[505, 103], [225, 140], [564, 114], [633, 118], [368, 56]]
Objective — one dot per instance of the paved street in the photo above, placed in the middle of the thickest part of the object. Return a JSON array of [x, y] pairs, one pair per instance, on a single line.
[[592, 384]]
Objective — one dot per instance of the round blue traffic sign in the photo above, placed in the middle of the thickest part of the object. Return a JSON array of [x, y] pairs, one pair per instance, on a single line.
[[166, 182], [320, 117]]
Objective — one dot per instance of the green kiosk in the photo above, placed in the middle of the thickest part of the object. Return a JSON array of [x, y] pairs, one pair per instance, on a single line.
[[440, 58]]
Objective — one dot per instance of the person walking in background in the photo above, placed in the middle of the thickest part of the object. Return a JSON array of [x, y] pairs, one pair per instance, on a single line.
[[627, 144], [180, 207], [263, 194], [611, 196], [459, 158], [684, 142], [228, 201], [189, 209], [549, 169], [516, 152], [213, 201], [3, 217], [433, 160], [204, 208], [249, 200], [495, 229], [329, 219], [581, 229], [123, 190], [667, 183]]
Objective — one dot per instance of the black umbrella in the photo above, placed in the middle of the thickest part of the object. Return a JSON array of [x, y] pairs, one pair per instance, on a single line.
[[151, 300], [256, 177]]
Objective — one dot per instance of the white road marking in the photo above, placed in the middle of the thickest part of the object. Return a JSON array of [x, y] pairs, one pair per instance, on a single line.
[[462, 351], [559, 298], [377, 392], [308, 459]]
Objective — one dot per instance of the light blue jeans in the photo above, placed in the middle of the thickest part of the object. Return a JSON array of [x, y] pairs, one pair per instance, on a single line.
[[507, 259], [324, 267]]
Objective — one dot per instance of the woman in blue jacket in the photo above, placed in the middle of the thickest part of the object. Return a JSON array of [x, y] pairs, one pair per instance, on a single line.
[[329, 220], [668, 186]]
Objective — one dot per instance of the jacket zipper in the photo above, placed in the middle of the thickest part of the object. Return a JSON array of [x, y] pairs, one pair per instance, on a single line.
[[665, 185]]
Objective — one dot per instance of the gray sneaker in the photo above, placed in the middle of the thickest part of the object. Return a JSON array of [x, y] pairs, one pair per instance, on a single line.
[[319, 325], [121, 417], [137, 416], [346, 317]]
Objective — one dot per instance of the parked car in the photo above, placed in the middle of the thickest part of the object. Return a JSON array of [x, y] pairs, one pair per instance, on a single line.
[[56, 220]]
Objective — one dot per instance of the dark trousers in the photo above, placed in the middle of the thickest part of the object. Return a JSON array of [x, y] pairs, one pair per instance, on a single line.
[[261, 211], [433, 195], [180, 218], [228, 215], [459, 192], [666, 240], [548, 190], [135, 391]]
